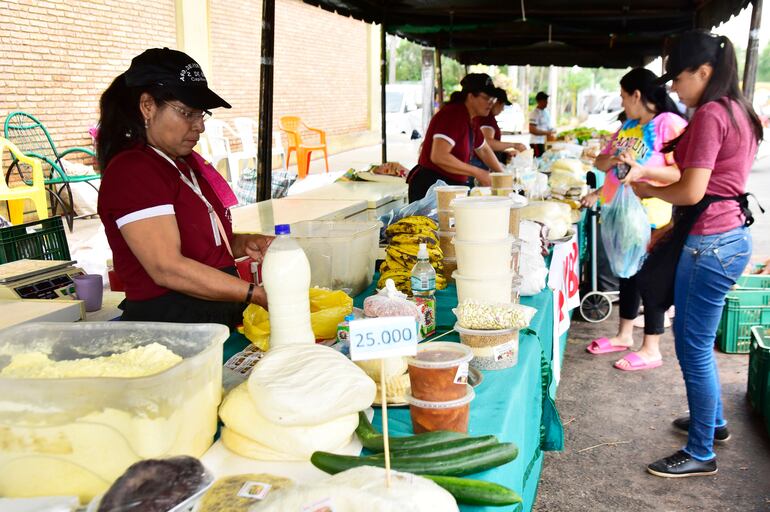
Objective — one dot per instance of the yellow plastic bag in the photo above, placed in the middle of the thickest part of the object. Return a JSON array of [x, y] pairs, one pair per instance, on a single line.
[[327, 309]]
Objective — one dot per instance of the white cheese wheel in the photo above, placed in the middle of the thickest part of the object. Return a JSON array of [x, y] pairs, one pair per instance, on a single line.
[[298, 385], [364, 489], [268, 439]]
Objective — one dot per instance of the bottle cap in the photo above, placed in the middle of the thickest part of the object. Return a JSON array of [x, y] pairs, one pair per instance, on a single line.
[[350, 317], [282, 229], [422, 254]]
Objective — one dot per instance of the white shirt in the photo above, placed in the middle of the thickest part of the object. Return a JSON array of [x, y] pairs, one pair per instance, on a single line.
[[542, 121]]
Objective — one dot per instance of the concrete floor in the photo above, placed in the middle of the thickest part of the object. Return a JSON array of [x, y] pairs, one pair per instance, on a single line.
[[599, 404]]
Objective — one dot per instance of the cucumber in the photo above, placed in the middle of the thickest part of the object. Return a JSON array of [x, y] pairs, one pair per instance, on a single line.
[[448, 448], [464, 463], [373, 440], [476, 492]]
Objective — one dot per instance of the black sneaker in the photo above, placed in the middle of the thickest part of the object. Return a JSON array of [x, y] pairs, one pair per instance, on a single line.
[[681, 465], [721, 434]]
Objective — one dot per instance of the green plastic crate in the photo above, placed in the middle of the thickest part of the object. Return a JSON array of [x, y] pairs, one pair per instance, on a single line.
[[743, 310], [753, 282], [41, 240], [758, 389]]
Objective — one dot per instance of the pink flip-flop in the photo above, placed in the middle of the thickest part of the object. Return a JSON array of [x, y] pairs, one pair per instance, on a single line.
[[636, 363], [603, 346]]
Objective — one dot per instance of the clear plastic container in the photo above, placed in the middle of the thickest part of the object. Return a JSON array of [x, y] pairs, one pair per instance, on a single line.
[[495, 288], [341, 253], [492, 350], [504, 192], [439, 371], [484, 258], [451, 415], [445, 195], [450, 265], [445, 242], [75, 436], [446, 220], [518, 202], [482, 218], [501, 180]]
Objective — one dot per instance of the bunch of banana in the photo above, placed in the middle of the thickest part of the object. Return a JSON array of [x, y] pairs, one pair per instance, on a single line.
[[405, 237]]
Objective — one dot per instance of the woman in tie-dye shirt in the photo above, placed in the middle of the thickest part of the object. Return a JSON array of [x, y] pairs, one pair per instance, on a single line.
[[652, 119]]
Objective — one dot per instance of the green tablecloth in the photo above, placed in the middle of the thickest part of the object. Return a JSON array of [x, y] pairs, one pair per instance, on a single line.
[[515, 404]]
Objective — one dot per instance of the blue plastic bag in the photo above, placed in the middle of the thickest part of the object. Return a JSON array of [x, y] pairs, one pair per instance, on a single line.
[[625, 232]]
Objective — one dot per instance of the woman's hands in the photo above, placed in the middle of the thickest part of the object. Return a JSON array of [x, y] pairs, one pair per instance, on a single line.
[[253, 246], [590, 199], [636, 172]]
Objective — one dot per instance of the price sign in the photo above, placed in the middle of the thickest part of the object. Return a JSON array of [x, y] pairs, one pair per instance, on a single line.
[[377, 338]]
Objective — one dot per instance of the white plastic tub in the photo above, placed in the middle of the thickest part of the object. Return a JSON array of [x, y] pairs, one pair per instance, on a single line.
[[482, 218], [484, 258], [76, 436], [496, 288]]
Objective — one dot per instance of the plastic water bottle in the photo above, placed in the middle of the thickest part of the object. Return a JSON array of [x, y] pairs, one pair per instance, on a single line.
[[424, 289], [286, 277]]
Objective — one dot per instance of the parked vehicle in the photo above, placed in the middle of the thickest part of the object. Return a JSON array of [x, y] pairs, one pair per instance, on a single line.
[[402, 112]]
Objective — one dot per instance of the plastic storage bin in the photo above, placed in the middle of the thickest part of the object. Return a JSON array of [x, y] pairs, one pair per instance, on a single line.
[[758, 389], [75, 436], [743, 310], [753, 282], [341, 254], [41, 240]]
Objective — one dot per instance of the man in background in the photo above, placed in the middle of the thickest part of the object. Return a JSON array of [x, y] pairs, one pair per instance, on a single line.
[[540, 125]]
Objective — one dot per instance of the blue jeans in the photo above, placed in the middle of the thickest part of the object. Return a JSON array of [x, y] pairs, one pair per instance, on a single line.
[[708, 267]]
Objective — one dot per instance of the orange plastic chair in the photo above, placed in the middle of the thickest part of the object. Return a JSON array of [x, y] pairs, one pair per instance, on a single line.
[[291, 126]]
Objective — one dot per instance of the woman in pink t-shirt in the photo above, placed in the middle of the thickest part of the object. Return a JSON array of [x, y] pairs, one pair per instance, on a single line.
[[709, 244]]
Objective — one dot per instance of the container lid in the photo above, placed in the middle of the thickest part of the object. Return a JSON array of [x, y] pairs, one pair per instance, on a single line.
[[483, 332], [447, 259], [452, 188], [441, 210], [481, 202], [440, 354], [509, 240], [518, 201], [282, 229], [446, 234], [496, 277], [470, 395]]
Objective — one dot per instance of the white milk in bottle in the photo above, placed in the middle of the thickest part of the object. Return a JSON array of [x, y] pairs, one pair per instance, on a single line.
[[286, 277]]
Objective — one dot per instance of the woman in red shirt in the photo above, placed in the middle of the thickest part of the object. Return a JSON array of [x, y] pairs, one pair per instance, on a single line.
[[451, 139], [164, 209], [709, 245]]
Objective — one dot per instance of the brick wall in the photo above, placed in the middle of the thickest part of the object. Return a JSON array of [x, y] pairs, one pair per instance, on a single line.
[[320, 73], [57, 56]]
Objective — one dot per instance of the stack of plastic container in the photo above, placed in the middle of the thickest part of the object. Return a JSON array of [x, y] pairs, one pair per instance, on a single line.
[[446, 224], [484, 249]]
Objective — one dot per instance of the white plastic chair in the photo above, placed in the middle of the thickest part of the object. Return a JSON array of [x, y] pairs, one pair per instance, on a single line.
[[217, 136], [247, 128]]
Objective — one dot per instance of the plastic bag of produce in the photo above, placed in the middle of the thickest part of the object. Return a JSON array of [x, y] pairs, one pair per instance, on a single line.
[[625, 232], [390, 302], [327, 309], [425, 207]]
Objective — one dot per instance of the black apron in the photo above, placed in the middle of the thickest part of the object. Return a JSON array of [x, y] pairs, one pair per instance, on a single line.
[[180, 308], [655, 279]]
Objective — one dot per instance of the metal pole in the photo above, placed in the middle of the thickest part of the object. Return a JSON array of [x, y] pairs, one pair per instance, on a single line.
[[440, 79], [265, 154], [752, 52], [383, 81]]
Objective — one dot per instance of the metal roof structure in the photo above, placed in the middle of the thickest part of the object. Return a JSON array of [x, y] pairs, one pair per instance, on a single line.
[[591, 33]]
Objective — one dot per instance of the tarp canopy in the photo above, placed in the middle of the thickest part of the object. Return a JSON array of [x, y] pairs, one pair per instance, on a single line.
[[590, 33]]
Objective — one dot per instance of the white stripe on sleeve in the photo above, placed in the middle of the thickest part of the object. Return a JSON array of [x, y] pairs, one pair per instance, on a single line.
[[445, 137], [155, 211]]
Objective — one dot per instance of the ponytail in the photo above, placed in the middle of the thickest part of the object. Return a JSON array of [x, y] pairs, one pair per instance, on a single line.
[[121, 124]]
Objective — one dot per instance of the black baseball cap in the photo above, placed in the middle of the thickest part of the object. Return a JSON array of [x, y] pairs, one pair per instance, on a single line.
[[502, 96], [541, 96], [478, 82], [689, 51], [177, 72]]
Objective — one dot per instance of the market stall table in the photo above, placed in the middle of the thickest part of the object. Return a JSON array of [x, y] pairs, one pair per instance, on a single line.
[[512, 404], [262, 217]]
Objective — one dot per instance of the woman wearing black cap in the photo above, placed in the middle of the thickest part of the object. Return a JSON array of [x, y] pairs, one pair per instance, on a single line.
[[451, 140], [709, 244], [164, 209], [491, 131]]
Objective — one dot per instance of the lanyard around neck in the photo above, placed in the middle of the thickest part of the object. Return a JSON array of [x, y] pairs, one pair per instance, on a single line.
[[217, 227]]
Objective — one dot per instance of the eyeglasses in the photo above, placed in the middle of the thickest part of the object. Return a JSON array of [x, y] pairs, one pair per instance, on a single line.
[[190, 117], [489, 99]]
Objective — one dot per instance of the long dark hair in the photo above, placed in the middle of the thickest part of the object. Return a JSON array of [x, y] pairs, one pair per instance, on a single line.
[[723, 84], [458, 97], [645, 81], [121, 124]]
